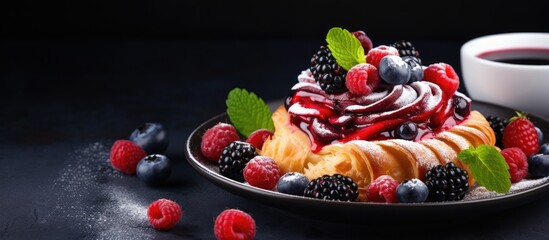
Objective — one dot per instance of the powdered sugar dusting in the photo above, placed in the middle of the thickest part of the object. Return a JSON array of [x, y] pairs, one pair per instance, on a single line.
[[115, 212], [482, 193]]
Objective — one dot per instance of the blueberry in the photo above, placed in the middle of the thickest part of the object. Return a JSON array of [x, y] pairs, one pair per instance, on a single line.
[[293, 183], [412, 191], [538, 165], [154, 169], [462, 108], [152, 137], [416, 68], [393, 70], [544, 149], [407, 131], [540, 134]]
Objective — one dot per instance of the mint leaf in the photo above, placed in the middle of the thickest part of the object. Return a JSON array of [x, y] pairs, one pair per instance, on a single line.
[[248, 112], [345, 48], [488, 167]]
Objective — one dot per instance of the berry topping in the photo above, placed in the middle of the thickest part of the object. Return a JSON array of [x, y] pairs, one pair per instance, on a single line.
[[216, 138], [234, 158], [443, 75], [498, 124], [365, 41], [125, 155], [154, 169], [164, 214], [375, 55], [152, 137], [407, 131], [540, 134], [462, 107], [327, 73], [415, 66], [412, 191], [544, 149], [258, 137], [520, 132], [262, 172], [335, 187], [383, 189], [405, 48], [234, 224], [538, 165], [393, 70], [362, 79], [447, 183], [293, 183], [517, 161]]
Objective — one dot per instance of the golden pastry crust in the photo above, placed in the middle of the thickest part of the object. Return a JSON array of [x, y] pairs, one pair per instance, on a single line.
[[364, 161]]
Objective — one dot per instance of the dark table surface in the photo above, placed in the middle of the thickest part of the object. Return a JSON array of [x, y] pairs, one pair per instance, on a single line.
[[64, 102]]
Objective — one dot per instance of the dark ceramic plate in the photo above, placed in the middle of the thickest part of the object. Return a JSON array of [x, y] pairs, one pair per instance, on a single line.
[[361, 211]]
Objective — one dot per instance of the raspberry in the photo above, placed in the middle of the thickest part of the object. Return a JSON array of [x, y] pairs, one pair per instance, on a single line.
[[383, 189], [375, 55], [234, 224], [365, 41], [443, 75], [258, 137], [164, 214], [262, 172], [362, 79], [517, 161], [216, 138], [125, 155], [521, 132]]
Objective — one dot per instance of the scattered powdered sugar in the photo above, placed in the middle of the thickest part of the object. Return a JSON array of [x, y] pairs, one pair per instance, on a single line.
[[87, 196], [482, 193]]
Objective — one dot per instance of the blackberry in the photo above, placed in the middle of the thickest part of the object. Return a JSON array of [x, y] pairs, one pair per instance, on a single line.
[[336, 187], [327, 73], [234, 158], [405, 48], [446, 183], [498, 124]]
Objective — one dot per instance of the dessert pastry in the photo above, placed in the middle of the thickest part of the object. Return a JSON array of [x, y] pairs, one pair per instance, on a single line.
[[378, 113]]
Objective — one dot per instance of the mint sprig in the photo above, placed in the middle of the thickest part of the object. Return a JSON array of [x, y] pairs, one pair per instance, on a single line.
[[488, 167], [345, 48], [248, 112]]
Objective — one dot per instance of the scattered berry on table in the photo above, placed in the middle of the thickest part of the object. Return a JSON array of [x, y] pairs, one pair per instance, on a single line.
[[382, 189], [498, 125], [446, 182], [412, 191], [415, 67], [538, 165], [262, 172], [365, 41], [234, 158], [152, 137], [234, 224], [164, 214], [216, 138], [362, 79], [258, 137], [332, 187], [407, 131], [517, 161], [293, 183], [125, 155], [544, 149], [406, 48], [154, 169], [462, 107], [393, 70], [520, 132], [327, 73], [375, 55], [443, 75]]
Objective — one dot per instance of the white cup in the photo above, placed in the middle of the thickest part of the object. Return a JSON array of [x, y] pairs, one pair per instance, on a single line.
[[521, 86]]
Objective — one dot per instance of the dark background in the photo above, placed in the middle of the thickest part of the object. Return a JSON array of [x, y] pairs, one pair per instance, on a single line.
[[75, 73]]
